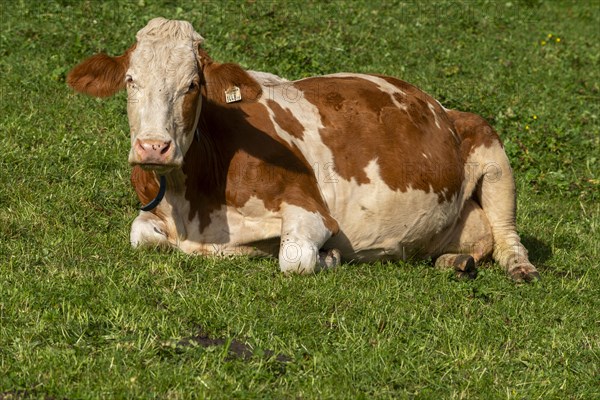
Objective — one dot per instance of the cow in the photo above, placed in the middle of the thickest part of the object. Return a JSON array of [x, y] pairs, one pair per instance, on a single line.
[[344, 167]]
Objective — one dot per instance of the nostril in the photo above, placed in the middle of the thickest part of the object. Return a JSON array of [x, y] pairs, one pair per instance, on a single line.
[[153, 148], [139, 145], [165, 147]]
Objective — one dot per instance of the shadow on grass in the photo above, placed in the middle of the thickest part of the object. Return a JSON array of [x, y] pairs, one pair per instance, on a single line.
[[539, 252]]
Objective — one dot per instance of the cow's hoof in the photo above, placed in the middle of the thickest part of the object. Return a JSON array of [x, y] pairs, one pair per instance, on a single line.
[[524, 272], [464, 267], [330, 258], [462, 264]]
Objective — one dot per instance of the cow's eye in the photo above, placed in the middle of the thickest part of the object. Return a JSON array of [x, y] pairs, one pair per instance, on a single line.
[[193, 86], [129, 80]]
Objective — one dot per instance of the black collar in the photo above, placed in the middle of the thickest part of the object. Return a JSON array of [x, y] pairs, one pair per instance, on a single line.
[[161, 193]]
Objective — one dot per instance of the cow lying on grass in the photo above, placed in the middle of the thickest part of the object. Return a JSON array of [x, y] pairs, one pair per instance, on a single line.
[[339, 167]]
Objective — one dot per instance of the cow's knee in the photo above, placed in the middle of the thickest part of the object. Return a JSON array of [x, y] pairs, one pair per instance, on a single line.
[[298, 256], [305, 258], [303, 234], [148, 230]]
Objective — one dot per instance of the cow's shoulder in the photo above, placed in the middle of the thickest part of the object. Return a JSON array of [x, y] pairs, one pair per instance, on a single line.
[[246, 159]]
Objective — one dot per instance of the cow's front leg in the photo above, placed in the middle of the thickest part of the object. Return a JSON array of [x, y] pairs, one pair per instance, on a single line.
[[303, 233], [148, 230]]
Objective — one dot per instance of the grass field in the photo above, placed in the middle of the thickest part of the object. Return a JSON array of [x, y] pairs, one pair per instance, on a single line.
[[82, 315]]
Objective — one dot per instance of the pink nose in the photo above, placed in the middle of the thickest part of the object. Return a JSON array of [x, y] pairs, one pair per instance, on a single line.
[[153, 151]]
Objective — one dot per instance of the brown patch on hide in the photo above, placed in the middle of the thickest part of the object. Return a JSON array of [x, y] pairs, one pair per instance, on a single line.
[[286, 120], [362, 123]]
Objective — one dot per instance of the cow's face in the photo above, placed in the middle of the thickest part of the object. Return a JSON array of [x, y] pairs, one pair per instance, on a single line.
[[163, 99], [162, 77]]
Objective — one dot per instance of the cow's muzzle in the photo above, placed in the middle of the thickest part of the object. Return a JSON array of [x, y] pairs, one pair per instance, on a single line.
[[153, 154]]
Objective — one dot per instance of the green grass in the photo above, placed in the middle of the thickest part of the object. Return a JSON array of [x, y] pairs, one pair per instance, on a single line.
[[82, 315]]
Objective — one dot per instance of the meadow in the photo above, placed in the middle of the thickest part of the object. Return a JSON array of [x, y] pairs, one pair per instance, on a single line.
[[84, 316]]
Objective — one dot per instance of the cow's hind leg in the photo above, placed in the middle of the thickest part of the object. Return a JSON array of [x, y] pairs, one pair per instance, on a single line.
[[471, 242], [496, 193], [302, 236], [488, 169]]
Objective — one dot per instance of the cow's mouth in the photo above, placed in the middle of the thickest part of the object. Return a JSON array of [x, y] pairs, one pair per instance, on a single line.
[[160, 169]]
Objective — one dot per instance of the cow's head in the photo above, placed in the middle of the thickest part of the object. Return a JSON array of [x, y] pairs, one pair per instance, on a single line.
[[161, 72]]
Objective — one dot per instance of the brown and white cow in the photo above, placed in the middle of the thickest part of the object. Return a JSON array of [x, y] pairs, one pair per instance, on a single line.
[[345, 166]]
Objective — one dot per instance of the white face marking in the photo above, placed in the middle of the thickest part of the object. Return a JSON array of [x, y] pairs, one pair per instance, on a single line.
[[161, 79]]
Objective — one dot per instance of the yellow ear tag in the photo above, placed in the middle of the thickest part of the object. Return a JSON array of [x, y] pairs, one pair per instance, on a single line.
[[232, 95]]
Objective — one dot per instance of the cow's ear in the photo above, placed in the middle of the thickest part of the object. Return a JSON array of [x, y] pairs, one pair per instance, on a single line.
[[100, 75], [202, 57]]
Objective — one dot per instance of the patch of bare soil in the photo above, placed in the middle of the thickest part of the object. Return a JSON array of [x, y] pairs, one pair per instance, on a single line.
[[236, 348]]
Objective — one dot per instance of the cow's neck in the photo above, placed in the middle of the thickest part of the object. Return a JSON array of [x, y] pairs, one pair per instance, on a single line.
[[204, 166]]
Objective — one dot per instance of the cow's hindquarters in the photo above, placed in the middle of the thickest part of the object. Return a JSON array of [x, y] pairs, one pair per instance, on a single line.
[[489, 172]]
